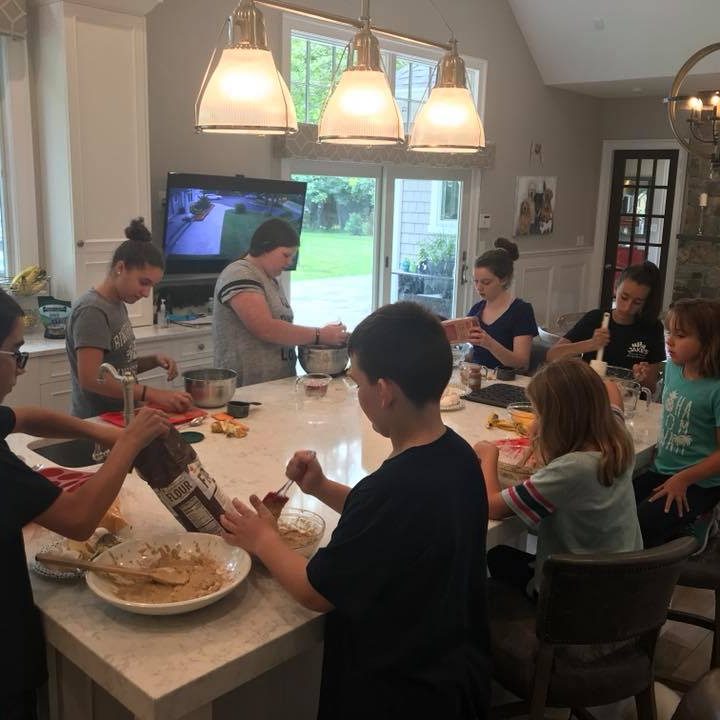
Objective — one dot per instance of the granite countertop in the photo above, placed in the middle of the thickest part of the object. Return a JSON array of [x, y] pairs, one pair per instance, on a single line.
[[164, 667], [38, 345]]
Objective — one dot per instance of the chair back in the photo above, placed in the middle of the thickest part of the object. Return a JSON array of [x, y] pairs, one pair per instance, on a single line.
[[702, 701], [586, 599]]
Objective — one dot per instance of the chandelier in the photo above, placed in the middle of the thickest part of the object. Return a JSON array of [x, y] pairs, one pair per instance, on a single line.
[[699, 134], [243, 92]]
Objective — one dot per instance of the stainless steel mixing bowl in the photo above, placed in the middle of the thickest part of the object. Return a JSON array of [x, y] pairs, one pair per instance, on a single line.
[[327, 359], [210, 387]]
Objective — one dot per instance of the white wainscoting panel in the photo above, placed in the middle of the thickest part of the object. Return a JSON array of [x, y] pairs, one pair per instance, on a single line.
[[554, 282]]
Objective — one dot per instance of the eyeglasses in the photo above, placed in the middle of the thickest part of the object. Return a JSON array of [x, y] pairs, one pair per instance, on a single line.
[[21, 358]]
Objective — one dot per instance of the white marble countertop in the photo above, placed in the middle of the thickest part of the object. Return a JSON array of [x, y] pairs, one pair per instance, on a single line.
[[161, 668], [38, 345]]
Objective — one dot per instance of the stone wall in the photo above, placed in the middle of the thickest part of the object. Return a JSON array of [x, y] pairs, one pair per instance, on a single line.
[[697, 273]]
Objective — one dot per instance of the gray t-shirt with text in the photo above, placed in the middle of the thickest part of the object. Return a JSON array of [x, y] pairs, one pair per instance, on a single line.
[[236, 348], [96, 322]]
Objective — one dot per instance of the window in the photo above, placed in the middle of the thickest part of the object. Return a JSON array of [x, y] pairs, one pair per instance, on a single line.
[[317, 55], [313, 65]]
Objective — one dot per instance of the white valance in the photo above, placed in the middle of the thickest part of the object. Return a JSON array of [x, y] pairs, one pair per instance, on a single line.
[[13, 18]]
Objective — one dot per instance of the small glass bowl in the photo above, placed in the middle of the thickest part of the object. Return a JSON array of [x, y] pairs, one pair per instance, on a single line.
[[301, 529], [522, 414]]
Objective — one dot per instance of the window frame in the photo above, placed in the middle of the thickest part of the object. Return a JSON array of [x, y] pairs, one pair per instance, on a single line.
[[389, 48], [22, 246]]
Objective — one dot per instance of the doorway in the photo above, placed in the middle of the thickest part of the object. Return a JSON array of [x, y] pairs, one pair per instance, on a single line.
[[640, 214]]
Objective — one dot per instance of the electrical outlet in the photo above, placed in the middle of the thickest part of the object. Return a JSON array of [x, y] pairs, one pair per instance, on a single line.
[[485, 221], [580, 240]]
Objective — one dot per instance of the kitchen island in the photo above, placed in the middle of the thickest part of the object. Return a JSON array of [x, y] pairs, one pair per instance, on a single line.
[[255, 653]]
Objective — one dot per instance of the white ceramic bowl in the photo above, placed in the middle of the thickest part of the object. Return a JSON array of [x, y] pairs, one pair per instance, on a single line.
[[133, 553]]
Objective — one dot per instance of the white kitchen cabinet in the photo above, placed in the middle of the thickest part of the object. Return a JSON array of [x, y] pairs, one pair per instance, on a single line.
[[47, 380], [90, 72]]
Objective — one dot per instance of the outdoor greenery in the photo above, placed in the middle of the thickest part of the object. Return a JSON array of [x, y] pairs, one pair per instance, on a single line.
[[238, 229], [201, 204], [331, 202], [333, 254]]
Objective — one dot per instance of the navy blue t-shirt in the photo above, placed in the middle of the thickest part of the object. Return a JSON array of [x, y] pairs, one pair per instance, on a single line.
[[517, 320]]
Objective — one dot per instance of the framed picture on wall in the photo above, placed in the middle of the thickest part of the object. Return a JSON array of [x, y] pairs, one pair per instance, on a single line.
[[535, 205]]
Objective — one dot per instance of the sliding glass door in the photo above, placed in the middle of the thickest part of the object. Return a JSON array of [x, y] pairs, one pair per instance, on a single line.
[[427, 243], [372, 236]]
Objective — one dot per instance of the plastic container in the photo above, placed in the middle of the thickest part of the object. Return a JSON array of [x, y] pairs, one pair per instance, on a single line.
[[162, 317]]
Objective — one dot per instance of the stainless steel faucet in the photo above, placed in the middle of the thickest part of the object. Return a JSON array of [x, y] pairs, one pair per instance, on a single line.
[[127, 379]]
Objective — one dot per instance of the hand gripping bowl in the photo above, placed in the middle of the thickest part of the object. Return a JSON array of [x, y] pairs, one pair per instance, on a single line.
[[326, 359], [234, 562], [210, 387]]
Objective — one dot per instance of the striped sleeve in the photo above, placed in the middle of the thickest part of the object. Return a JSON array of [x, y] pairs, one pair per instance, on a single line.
[[233, 287], [528, 503]]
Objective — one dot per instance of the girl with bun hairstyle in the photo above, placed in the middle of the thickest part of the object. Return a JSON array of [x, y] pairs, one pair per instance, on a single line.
[[507, 324], [635, 338], [99, 331]]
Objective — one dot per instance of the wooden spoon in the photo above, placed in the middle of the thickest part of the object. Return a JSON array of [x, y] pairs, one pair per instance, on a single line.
[[160, 575]]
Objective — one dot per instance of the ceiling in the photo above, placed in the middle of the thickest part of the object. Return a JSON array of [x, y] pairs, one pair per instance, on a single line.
[[615, 48]]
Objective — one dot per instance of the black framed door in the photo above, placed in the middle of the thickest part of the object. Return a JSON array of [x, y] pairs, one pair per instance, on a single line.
[[640, 214]]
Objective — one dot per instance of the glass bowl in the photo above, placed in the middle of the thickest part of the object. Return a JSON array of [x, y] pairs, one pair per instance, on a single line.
[[522, 414], [302, 530]]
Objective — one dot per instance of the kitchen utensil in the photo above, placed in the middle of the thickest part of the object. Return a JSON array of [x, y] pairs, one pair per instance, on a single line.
[[327, 359], [598, 364], [116, 418], [162, 575], [210, 387], [193, 423], [472, 376], [192, 437], [313, 385], [234, 562], [240, 408]]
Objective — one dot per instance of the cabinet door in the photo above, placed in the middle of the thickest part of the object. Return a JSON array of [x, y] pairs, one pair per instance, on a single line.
[[194, 348], [56, 395], [27, 388]]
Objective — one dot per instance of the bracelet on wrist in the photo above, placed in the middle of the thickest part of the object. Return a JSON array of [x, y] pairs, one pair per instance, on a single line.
[[143, 394], [317, 336]]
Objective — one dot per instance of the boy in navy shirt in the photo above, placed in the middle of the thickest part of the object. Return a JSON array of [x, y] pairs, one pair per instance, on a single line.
[[403, 577]]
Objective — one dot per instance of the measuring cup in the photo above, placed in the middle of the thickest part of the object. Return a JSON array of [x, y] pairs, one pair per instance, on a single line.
[[631, 392], [313, 385], [471, 376]]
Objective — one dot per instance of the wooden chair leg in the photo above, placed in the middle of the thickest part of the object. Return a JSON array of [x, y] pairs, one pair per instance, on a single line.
[[715, 657], [541, 681], [645, 703]]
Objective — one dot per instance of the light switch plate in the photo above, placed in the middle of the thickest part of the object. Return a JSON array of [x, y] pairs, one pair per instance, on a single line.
[[485, 221]]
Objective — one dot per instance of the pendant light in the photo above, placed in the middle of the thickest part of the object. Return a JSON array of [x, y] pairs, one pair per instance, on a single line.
[[448, 122], [362, 109], [244, 92]]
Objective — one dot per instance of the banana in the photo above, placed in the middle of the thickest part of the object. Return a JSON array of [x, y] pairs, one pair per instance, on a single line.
[[29, 280]]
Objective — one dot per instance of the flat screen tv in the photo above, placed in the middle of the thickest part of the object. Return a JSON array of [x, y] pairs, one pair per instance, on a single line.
[[209, 219]]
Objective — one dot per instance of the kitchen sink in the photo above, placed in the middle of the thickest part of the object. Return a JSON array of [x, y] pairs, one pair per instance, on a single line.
[[68, 453]]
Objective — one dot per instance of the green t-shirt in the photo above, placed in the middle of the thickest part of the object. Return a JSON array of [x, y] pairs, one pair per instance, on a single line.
[[690, 418], [573, 513]]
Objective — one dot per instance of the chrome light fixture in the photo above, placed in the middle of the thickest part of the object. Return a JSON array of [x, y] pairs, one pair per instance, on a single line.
[[242, 91], [701, 112], [449, 120], [361, 109]]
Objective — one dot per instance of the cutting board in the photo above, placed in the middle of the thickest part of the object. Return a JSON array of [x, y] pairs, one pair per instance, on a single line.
[[116, 418], [65, 479]]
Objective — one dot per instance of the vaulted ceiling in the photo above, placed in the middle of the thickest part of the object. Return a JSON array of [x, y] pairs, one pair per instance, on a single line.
[[620, 48]]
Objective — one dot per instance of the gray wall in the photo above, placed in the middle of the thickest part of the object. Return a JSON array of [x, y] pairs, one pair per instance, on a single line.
[[634, 119], [519, 108]]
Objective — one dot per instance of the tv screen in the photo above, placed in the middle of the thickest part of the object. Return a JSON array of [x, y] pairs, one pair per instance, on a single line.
[[210, 219]]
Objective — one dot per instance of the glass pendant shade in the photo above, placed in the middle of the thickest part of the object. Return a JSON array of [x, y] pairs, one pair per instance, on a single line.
[[362, 111], [448, 122], [247, 95]]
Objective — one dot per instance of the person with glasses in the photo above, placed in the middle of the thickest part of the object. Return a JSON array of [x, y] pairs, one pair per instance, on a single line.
[[27, 496]]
